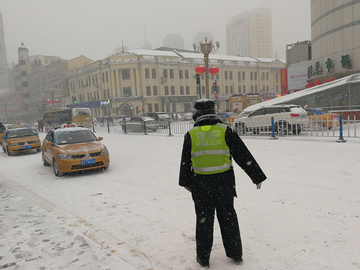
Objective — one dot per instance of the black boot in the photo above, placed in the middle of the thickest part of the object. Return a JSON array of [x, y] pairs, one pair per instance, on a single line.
[[202, 263]]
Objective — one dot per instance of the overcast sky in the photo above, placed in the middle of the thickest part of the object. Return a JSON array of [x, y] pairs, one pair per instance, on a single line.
[[94, 28]]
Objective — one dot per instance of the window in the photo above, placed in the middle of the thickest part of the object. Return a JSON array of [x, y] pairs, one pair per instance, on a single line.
[[165, 74], [181, 75], [153, 73], [181, 90], [166, 89], [155, 92], [149, 107], [103, 77], [173, 90], [23, 73], [239, 75], [171, 73], [255, 75], [203, 90], [104, 93], [243, 75], [147, 73], [186, 74], [188, 90], [127, 91], [108, 93], [107, 77], [251, 75], [230, 75], [226, 89], [267, 75], [251, 89], [148, 90], [125, 74], [231, 89], [226, 75], [244, 89], [173, 107], [239, 89]]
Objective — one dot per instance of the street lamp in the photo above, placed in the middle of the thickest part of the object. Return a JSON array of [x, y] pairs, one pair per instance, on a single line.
[[52, 92], [206, 48]]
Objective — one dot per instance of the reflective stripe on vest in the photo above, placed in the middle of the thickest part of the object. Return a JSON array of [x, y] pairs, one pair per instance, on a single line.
[[209, 152]]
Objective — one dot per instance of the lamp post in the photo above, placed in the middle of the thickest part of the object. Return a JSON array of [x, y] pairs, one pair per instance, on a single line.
[[52, 92], [206, 48]]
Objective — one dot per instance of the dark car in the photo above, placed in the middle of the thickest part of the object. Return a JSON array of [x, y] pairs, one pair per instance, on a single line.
[[138, 124], [161, 117]]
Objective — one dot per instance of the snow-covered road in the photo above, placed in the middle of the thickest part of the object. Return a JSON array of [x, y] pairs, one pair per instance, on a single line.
[[135, 216]]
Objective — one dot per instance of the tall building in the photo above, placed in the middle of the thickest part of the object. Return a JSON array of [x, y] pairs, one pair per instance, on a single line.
[[3, 60], [335, 39], [174, 41], [250, 34]]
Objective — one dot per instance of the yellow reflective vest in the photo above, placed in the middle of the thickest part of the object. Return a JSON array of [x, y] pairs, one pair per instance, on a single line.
[[209, 152]]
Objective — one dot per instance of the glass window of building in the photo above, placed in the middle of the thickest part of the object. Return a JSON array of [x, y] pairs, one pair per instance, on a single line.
[[173, 90], [188, 90], [186, 74], [125, 74], [147, 73], [127, 91], [166, 89], [153, 73], [182, 90], [171, 73], [148, 90], [165, 74], [155, 90], [181, 74]]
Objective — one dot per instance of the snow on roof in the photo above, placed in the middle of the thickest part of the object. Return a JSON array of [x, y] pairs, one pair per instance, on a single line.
[[318, 88], [197, 55]]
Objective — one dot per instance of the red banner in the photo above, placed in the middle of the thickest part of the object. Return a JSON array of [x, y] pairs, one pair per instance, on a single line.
[[284, 82]]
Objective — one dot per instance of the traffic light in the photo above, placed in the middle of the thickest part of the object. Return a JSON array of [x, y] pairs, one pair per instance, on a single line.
[[74, 99], [197, 78], [214, 87]]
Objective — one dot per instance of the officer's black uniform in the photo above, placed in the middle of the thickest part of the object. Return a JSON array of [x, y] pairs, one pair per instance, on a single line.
[[216, 191]]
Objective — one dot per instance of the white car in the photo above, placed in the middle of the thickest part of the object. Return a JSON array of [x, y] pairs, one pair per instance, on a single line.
[[286, 119]]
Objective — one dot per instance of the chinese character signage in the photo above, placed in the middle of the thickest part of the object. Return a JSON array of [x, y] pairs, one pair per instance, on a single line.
[[284, 82]]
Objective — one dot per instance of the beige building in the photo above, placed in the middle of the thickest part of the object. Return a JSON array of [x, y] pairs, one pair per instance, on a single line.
[[250, 34], [141, 81], [335, 28]]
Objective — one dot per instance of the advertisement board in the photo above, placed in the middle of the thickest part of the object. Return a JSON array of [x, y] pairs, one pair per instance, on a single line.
[[283, 81], [297, 76]]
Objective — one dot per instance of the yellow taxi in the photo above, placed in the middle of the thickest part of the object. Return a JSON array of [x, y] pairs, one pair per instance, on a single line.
[[20, 140], [320, 119], [72, 149]]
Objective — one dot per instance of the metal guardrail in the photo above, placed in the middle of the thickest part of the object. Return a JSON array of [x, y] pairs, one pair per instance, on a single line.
[[349, 128]]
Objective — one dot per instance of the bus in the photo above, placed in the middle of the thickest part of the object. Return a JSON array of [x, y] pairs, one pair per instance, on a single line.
[[79, 116]]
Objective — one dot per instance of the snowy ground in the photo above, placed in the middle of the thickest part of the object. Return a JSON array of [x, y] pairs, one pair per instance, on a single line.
[[135, 216]]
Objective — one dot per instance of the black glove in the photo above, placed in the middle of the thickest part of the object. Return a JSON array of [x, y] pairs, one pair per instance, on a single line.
[[188, 188]]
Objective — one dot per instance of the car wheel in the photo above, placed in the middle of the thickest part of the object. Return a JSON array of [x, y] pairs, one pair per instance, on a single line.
[[8, 152], [44, 160], [282, 128], [56, 170], [3, 148], [105, 168], [38, 150], [240, 129]]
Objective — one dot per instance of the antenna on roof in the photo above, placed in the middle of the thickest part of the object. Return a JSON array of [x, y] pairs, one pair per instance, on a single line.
[[123, 49]]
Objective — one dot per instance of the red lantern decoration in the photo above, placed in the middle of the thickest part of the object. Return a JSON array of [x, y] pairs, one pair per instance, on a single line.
[[309, 85], [329, 80], [200, 69], [48, 101], [57, 101], [213, 70], [318, 82]]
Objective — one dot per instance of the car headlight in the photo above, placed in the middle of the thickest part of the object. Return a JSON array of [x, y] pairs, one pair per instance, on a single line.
[[15, 144], [104, 151], [64, 156], [37, 141]]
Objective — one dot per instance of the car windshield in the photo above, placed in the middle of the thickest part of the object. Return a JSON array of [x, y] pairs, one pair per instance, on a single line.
[[20, 133], [70, 137]]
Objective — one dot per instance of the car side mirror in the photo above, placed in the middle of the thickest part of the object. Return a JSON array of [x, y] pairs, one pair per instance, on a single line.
[[100, 138], [48, 143], [36, 133]]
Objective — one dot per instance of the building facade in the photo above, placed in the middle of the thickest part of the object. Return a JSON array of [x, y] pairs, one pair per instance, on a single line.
[[174, 41], [335, 28], [250, 34], [4, 84], [141, 81]]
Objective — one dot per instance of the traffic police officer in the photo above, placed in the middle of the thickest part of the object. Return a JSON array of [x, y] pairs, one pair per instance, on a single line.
[[206, 171]]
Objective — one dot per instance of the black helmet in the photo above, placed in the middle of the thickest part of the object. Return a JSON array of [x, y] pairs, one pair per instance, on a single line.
[[203, 107]]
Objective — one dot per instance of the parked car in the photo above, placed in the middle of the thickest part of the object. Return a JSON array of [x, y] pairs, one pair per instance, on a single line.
[[187, 116], [137, 124], [73, 149], [320, 119], [20, 140], [287, 118], [161, 117]]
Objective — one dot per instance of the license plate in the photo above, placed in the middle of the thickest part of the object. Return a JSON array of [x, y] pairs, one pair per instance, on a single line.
[[88, 162], [26, 147]]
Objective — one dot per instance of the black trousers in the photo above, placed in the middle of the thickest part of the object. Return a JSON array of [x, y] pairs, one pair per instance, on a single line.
[[216, 194]]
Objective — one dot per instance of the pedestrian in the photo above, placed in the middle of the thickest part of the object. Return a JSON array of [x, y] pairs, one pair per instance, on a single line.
[[41, 125], [2, 127], [206, 171]]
